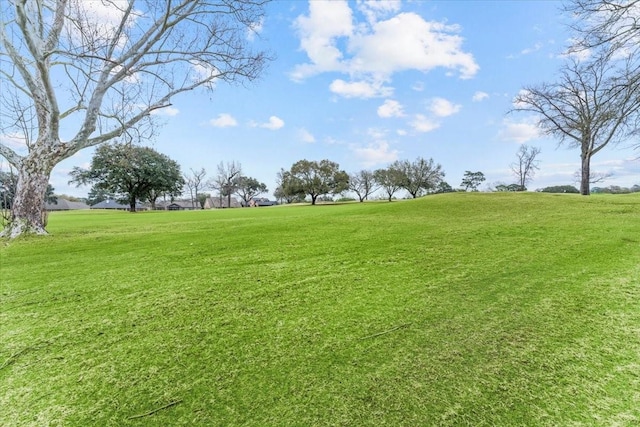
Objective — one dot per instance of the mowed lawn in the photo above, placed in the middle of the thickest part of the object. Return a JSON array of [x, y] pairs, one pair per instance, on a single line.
[[455, 309]]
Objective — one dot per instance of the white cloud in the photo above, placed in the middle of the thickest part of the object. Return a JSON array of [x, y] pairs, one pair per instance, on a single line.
[[377, 48], [306, 136], [274, 123], [519, 132], [408, 42], [318, 32], [360, 89], [166, 111], [422, 123], [376, 9], [479, 96], [375, 153], [224, 120], [390, 108], [441, 107], [536, 47]]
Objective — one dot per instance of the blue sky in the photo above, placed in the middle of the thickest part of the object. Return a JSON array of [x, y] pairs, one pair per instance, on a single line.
[[366, 83]]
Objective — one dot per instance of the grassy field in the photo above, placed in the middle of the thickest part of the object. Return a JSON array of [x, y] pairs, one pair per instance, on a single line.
[[451, 310]]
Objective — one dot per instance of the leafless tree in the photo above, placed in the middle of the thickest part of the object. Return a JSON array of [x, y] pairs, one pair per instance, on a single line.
[[526, 165], [99, 69], [612, 24], [363, 184], [594, 103], [226, 182], [195, 182]]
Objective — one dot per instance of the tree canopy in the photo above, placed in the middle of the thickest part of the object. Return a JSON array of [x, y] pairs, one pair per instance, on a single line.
[[420, 176], [316, 178], [131, 173], [471, 180], [390, 179], [248, 188]]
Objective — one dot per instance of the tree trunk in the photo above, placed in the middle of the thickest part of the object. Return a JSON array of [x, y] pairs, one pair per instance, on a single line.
[[27, 210], [585, 174], [313, 198], [132, 204]]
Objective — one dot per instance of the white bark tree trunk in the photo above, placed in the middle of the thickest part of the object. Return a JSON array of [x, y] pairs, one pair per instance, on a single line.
[[27, 210]]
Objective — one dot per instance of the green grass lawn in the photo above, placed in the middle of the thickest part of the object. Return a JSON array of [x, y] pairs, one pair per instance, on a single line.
[[456, 309]]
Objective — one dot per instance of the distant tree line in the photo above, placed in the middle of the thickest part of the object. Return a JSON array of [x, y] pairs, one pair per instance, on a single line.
[[130, 173], [616, 189], [319, 178]]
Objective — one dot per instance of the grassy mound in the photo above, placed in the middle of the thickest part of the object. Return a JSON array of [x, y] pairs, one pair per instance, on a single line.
[[456, 309]]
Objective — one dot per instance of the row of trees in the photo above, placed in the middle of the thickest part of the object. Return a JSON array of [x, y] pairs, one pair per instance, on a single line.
[[228, 181], [134, 173], [314, 179]]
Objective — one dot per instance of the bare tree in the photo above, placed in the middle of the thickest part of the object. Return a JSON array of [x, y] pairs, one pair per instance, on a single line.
[[526, 165], [226, 182], [606, 23], [99, 76], [595, 103], [363, 184], [610, 28], [195, 182]]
